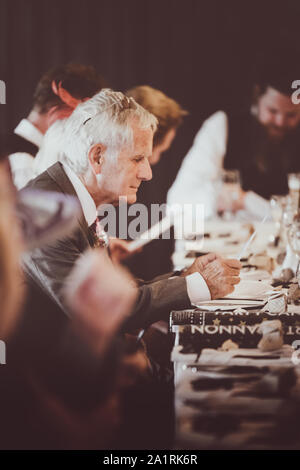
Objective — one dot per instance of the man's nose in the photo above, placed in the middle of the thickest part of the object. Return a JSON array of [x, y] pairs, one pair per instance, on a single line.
[[145, 172]]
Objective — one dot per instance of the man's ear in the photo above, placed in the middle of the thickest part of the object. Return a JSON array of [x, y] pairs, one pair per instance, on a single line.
[[96, 157]]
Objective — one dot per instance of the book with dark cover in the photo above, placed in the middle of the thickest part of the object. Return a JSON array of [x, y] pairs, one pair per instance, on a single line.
[[200, 329]]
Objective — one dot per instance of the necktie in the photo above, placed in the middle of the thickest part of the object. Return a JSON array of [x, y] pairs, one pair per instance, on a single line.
[[99, 236]]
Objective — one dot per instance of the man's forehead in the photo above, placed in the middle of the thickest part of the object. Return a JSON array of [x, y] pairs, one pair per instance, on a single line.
[[142, 137], [140, 133], [142, 144], [278, 99]]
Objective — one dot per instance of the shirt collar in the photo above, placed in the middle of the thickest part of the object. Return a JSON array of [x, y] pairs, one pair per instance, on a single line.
[[29, 132], [87, 203]]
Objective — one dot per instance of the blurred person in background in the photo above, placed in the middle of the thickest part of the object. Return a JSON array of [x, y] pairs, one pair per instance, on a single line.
[[263, 143], [11, 281], [57, 94], [155, 257], [169, 115]]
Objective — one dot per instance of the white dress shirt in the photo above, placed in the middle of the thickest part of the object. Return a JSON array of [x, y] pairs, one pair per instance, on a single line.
[[52, 148], [87, 202], [197, 288], [21, 163], [198, 177]]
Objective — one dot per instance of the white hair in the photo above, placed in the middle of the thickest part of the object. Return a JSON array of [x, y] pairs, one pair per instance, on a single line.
[[107, 119]]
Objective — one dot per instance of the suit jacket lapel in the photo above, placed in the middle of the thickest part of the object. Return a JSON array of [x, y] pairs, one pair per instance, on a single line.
[[57, 173]]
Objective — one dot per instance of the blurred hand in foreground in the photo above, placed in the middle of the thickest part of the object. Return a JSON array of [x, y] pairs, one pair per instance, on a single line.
[[119, 249], [100, 296]]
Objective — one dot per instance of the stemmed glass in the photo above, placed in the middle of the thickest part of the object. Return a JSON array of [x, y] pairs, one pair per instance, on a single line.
[[288, 214], [230, 192], [277, 204], [294, 241], [294, 187]]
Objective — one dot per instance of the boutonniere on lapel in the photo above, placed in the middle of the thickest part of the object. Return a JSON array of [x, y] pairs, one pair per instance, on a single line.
[[100, 237]]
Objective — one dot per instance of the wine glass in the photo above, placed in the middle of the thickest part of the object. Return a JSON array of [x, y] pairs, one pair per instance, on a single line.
[[231, 187], [277, 204], [294, 187], [294, 241], [288, 214]]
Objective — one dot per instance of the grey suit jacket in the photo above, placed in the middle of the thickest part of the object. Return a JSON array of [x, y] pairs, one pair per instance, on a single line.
[[49, 266]]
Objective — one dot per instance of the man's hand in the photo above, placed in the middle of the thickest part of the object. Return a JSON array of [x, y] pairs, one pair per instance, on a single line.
[[119, 249], [220, 274]]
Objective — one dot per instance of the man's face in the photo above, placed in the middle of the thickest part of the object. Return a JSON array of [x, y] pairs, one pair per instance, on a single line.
[[277, 113], [122, 176], [159, 149]]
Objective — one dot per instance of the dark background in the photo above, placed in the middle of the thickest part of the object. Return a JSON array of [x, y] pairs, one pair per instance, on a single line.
[[199, 52]]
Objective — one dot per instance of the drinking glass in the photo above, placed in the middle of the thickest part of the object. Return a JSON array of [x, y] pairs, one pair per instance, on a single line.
[[294, 241], [231, 187], [288, 214], [277, 204], [294, 187]]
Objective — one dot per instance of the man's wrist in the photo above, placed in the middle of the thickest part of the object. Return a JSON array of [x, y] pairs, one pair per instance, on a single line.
[[197, 288], [187, 271]]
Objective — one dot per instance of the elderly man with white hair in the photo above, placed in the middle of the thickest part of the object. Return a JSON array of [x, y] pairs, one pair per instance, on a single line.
[[105, 151]]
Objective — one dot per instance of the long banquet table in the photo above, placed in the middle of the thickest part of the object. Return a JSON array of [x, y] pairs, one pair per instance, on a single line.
[[238, 397]]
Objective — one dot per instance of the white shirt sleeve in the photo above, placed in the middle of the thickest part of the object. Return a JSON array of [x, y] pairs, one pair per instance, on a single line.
[[257, 205], [21, 165], [198, 176], [51, 149], [197, 288]]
